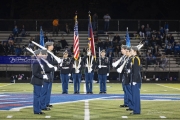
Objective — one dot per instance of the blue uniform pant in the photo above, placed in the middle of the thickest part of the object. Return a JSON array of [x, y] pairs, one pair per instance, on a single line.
[[136, 98], [102, 82], [89, 81], [125, 94], [37, 98], [46, 94], [49, 93], [76, 80], [129, 95], [65, 81]]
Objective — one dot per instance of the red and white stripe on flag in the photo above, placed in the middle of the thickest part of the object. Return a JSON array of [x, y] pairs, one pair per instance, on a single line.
[[76, 42]]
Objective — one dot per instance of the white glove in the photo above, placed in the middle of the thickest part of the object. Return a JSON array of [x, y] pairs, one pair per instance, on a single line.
[[113, 64], [59, 60], [99, 66], [86, 65], [119, 70], [79, 66], [69, 75], [45, 77], [74, 66], [107, 74], [77, 71], [55, 68], [134, 83], [60, 65], [90, 70]]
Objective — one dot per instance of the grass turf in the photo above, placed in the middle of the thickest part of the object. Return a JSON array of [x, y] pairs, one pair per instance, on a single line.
[[99, 109]]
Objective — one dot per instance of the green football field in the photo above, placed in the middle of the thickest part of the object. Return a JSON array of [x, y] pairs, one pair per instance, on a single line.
[[158, 101]]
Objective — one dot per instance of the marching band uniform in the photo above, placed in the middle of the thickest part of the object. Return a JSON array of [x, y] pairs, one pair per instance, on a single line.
[[103, 72], [90, 64], [76, 74], [122, 75], [65, 73], [127, 82], [136, 83], [37, 79], [47, 86]]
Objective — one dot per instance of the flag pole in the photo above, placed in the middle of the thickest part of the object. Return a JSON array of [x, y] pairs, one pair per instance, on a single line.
[[89, 36]]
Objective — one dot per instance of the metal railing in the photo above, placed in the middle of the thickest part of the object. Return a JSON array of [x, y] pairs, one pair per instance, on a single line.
[[115, 24]]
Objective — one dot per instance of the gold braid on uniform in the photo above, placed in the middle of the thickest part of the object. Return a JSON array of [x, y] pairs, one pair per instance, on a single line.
[[139, 62]]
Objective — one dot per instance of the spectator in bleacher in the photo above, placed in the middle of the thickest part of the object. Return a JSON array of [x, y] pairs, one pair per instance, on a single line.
[[161, 31], [107, 44], [30, 44], [171, 39], [11, 39], [100, 44], [155, 49], [149, 49], [18, 50], [159, 41], [95, 21], [166, 28], [15, 31], [11, 49], [25, 51], [5, 48], [142, 31], [23, 31], [117, 51], [67, 29], [153, 34], [117, 37], [58, 46], [150, 59], [64, 43], [148, 31], [106, 18], [163, 61], [168, 49], [177, 49], [1, 49], [55, 26], [153, 41], [146, 41], [165, 40], [45, 38], [158, 57]]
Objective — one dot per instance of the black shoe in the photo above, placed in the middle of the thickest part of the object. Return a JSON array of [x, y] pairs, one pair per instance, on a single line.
[[123, 106], [75, 92], [134, 113], [40, 113], [104, 92], [100, 92], [129, 109], [49, 106], [46, 109], [90, 92]]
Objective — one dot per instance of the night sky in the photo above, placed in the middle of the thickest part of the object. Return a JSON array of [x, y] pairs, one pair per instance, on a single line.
[[65, 9]]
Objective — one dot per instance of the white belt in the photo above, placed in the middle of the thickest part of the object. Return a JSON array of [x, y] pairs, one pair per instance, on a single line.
[[65, 67], [103, 66]]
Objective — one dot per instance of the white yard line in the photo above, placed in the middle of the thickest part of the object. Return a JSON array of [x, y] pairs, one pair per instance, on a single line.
[[168, 87], [124, 117], [9, 116], [47, 116], [162, 116], [86, 106]]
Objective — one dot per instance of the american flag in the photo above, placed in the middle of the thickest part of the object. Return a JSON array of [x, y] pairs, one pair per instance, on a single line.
[[76, 41], [91, 38]]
